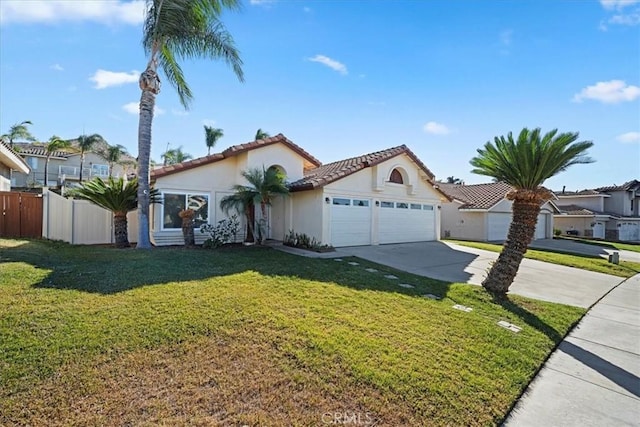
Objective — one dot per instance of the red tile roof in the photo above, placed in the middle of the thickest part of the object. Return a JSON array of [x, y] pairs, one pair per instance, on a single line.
[[577, 193], [580, 211], [476, 196], [230, 152], [325, 174], [28, 149], [627, 186]]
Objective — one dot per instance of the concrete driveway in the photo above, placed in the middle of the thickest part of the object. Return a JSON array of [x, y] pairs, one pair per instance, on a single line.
[[454, 263], [582, 248]]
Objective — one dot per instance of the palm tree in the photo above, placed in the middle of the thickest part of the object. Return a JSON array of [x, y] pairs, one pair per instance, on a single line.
[[54, 144], [264, 185], [212, 136], [18, 131], [113, 155], [175, 155], [115, 195], [173, 30], [525, 164], [261, 134], [86, 143], [454, 180]]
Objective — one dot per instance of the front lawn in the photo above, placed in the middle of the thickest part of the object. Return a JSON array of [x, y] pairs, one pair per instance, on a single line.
[[611, 245], [585, 262], [253, 336]]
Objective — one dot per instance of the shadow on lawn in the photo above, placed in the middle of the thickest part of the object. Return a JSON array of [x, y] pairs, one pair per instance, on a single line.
[[106, 270], [529, 318]]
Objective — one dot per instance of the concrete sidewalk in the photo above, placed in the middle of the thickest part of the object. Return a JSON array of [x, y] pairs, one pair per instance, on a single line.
[[593, 378]]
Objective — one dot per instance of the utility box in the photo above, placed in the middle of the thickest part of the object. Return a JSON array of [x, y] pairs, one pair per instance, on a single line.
[[614, 258]]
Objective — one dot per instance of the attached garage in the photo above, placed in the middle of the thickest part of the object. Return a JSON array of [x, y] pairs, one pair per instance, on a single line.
[[350, 221], [628, 231], [499, 222], [405, 222]]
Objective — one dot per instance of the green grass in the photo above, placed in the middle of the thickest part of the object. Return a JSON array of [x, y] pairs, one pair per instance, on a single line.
[[585, 262], [99, 336], [612, 245]]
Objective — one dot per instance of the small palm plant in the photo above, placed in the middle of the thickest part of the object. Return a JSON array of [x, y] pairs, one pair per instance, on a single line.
[[264, 185], [54, 145], [115, 195], [525, 163]]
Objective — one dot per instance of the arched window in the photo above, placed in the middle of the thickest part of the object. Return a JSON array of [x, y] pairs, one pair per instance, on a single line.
[[396, 177]]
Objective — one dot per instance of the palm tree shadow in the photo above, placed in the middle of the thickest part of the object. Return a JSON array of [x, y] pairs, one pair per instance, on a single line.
[[528, 317]]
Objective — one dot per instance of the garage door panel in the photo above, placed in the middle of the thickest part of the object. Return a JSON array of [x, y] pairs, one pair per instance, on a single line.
[[350, 225], [398, 225], [499, 223]]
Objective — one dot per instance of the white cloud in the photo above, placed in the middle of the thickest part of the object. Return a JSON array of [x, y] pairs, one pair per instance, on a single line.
[[506, 37], [436, 128], [50, 11], [104, 79], [177, 112], [630, 19], [331, 63], [617, 4], [306, 10], [261, 2], [134, 108], [629, 137], [610, 92], [57, 67]]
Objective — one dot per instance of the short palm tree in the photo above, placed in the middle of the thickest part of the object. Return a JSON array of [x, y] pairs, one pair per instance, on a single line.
[[212, 135], [175, 30], [261, 134], [264, 186], [525, 163], [18, 131], [242, 202], [54, 144], [86, 143], [113, 154], [116, 195], [175, 155]]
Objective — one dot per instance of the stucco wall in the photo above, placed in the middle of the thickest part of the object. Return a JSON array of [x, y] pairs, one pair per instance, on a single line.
[[307, 213], [463, 225], [594, 203], [5, 178], [280, 155]]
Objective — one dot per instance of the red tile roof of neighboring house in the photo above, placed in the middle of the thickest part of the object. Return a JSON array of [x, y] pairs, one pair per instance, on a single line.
[[230, 152], [476, 196], [326, 174], [29, 149], [580, 211], [577, 193], [627, 186]]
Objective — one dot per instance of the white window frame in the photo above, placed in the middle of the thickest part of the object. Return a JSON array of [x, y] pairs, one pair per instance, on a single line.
[[186, 195]]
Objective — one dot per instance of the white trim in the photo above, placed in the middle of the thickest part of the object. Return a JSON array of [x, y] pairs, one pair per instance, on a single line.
[[13, 160], [186, 194]]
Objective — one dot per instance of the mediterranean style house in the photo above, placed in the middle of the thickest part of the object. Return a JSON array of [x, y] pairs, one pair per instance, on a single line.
[[609, 213], [64, 166], [10, 164], [482, 212], [383, 197]]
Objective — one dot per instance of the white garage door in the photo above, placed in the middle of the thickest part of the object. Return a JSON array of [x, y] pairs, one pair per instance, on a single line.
[[499, 226], [350, 222], [400, 222], [629, 231]]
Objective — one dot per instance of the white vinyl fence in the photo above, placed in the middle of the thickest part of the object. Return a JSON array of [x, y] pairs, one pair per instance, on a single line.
[[79, 222]]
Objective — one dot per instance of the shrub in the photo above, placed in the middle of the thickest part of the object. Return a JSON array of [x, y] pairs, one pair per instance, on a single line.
[[222, 233], [557, 232], [303, 241]]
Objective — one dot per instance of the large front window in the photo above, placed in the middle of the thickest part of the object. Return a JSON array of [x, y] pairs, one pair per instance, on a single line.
[[173, 203], [100, 170]]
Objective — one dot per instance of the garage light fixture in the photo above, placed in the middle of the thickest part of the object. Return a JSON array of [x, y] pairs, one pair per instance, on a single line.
[[377, 202], [327, 200]]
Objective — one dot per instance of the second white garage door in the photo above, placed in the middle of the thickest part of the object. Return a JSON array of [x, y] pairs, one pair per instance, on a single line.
[[400, 222], [498, 226]]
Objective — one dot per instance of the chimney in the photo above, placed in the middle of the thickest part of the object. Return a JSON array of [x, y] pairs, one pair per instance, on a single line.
[[563, 187]]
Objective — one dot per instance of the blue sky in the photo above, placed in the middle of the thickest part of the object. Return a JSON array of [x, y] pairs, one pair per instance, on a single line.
[[344, 78]]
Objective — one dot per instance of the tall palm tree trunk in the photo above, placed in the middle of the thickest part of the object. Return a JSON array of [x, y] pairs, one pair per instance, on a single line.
[[46, 171], [120, 229], [81, 164], [150, 86], [521, 232]]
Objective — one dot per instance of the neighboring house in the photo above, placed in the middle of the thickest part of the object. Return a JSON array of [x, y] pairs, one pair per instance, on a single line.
[[604, 213], [382, 197], [65, 166], [482, 212], [10, 163]]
